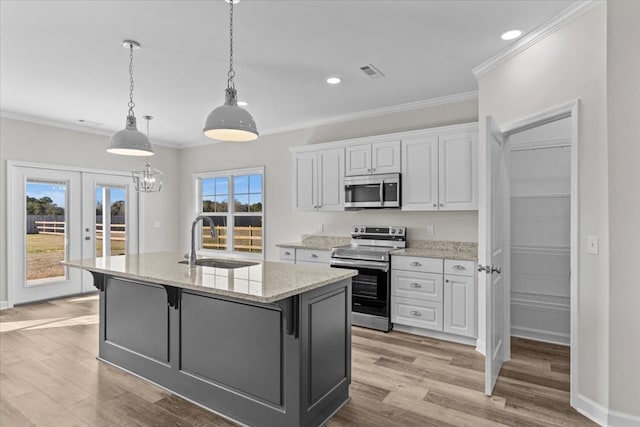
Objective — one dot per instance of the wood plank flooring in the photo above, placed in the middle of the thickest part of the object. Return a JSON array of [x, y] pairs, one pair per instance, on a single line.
[[49, 376]]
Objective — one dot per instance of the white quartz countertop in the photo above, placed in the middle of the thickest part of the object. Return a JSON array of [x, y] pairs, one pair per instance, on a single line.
[[263, 282]]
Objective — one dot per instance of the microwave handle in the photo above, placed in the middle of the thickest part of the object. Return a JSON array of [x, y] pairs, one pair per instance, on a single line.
[[382, 193]]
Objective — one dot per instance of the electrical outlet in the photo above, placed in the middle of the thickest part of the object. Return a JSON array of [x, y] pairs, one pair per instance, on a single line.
[[593, 246], [429, 230]]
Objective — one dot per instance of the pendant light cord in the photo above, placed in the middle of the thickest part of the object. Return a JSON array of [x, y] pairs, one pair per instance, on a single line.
[[131, 104], [231, 74]]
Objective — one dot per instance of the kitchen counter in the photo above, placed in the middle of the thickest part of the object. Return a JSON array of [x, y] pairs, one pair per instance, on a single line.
[[323, 243], [264, 282], [267, 344], [440, 249]]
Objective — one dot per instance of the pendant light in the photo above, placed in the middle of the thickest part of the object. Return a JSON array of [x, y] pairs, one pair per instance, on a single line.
[[147, 180], [130, 141], [230, 122]]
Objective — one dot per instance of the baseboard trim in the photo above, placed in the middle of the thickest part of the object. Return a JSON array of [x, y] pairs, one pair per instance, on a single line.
[[481, 347], [603, 416], [540, 335], [4, 305], [434, 334]]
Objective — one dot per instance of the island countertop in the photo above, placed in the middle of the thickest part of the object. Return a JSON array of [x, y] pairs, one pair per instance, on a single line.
[[264, 282]]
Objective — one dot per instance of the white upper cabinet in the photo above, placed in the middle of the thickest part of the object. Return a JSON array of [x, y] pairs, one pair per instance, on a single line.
[[440, 171], [374, 158], [319, 180], [420, 174], [458, 177]]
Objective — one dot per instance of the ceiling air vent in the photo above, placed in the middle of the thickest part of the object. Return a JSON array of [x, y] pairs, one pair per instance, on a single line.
[[371, 71]]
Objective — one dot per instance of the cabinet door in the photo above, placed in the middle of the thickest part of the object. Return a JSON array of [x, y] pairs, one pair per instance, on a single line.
[[305, 184], [358, 160], [458, 186], [460, 305], [331, 179], [385, 157], [420, 174]]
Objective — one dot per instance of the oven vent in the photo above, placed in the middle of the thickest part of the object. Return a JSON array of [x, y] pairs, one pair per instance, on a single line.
[[371, 71]]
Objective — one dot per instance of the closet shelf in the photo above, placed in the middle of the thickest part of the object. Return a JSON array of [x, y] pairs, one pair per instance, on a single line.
[[542, 196]]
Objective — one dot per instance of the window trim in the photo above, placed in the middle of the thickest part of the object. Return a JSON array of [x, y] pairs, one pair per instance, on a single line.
[[197, 210]]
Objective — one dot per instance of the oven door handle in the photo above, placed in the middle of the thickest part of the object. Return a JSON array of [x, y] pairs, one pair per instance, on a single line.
[[364, 264]]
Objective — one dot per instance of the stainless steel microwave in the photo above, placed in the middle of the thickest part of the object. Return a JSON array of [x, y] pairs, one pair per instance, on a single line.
[[372, 191]]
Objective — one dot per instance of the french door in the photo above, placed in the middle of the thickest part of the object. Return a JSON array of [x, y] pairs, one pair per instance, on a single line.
[[60, 214]]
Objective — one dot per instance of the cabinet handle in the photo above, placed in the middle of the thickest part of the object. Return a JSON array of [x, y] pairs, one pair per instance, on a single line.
[[459, 267], [416, 264], [314, 256], [415, 313], [435, 205], [441, 204], [287, 253], [374, 169], [446, 281], [415, 285]]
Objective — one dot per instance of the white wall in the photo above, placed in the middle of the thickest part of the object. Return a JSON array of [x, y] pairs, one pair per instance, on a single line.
[[282, 223], [571, 64], [623, 95], [20, 140]]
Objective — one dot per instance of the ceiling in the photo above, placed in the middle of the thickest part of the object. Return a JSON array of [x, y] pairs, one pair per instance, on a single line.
[[63, 61]]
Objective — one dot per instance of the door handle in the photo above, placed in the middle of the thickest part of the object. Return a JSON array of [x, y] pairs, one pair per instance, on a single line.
[[87, 238], [484, 268], [496, 269]]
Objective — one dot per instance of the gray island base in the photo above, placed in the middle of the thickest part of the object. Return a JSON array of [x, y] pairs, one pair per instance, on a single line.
[[281, 363]]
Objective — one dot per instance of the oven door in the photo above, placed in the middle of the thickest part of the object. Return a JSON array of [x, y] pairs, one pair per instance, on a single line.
[[370, 288]]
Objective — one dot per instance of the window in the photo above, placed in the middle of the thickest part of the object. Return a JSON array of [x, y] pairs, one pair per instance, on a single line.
[[234, 201]]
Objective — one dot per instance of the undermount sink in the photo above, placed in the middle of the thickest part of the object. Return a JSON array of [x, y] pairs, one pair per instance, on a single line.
[[220, 263]]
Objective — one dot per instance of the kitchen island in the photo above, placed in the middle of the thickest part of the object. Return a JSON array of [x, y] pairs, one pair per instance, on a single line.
[[267, 344]]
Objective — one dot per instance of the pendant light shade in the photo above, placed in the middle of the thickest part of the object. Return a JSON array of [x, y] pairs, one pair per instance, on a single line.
[[229, 122], [130, 141], [148, 179]]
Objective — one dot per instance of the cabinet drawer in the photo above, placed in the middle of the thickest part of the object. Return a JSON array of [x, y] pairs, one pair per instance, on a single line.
[[409, 263], [311, 255], [421, 314], [287, 254], [424, 286], [459, 268]]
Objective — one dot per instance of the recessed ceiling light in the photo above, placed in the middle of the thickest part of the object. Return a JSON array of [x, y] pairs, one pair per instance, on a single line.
[[243, 103], [334, 80], [511, 34]]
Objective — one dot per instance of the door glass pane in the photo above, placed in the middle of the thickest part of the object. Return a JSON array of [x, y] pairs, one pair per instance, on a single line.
[[219, 242], [247, 234], [46, 220], [111, 220]]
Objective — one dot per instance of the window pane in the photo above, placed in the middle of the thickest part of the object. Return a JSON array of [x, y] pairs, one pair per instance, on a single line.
[[46, 227], [215, 204], [255, 184], [247, 234], [241, 203], [255, 202], [241, 184], [222, 186], [219, 242], [208, 187], [118, 220]]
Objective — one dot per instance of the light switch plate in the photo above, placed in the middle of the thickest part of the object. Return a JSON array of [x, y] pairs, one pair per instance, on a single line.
[[593, 246]]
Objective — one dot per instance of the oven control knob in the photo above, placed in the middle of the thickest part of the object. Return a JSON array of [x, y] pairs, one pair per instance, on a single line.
[[355, 229], [400, 231], [393, 231], [361, 229]]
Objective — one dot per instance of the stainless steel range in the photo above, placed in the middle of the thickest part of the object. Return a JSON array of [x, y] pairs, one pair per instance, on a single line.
[[369, 254]]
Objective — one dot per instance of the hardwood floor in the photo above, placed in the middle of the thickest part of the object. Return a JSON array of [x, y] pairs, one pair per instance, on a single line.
[[49, 376]]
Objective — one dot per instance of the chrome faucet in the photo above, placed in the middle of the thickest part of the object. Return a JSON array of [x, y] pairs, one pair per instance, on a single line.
[[192, 254]]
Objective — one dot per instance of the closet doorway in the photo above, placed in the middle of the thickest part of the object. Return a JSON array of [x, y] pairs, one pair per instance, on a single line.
[[540, 193]]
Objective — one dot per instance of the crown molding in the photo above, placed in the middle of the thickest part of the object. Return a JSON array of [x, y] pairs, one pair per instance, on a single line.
[[72, 126], [541, 32], [409, 106]]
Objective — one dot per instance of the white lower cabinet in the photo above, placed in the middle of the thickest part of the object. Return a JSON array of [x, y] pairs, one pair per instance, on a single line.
[[305, 256], [418, 313], [434, 294]]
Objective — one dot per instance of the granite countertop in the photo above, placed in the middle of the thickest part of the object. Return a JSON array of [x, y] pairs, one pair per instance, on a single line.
[[323, 243], [264, 282], [440, 249]]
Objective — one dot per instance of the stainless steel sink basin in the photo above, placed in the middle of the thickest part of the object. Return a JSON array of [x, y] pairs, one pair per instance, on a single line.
[[220, 263]]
